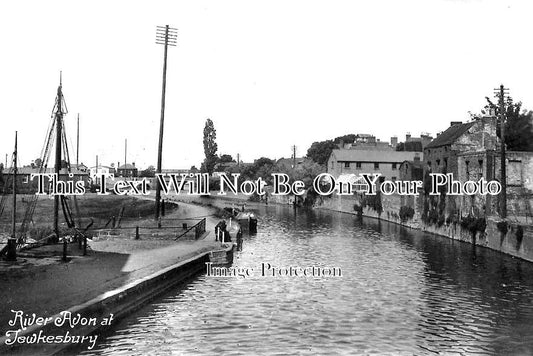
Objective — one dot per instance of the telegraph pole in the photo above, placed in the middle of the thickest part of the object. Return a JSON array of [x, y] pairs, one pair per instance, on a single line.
[[125, 152], [503, 195], [294, 156], [166, 36]]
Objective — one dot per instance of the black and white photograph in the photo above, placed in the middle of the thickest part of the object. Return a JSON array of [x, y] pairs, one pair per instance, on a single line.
[[266, 178]]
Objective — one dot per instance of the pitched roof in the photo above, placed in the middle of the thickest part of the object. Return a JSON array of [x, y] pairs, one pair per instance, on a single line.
[[374, 156], [30, 170], [451, 134], [127, 166]]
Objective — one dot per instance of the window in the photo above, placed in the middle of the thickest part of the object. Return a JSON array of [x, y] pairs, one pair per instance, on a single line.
[[358, 165], [446, 162], [346, 164], [25, 179], [480, 172], [394, 166], [393, 179], [376, 165], [467, 170], [438, 162]]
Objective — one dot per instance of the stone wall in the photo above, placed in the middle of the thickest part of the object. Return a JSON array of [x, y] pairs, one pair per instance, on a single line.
[[509, 243]]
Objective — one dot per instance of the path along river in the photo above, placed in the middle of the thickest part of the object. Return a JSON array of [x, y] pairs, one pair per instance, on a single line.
[[401, 292]]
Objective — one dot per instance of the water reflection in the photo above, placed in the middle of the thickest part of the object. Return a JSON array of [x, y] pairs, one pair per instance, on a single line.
[[402, 292]]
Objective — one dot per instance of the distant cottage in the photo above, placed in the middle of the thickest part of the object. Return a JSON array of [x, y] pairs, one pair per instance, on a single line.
[[127, 170]]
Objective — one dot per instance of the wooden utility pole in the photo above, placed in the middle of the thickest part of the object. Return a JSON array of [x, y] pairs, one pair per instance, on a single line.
[[503, 194], [166, 36], [125, 152], [294, 156]]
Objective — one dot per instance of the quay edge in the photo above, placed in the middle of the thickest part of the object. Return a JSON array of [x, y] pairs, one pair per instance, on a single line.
[[119, 302]]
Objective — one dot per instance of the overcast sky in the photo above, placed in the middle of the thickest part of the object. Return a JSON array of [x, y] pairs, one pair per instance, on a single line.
[[270, 74]]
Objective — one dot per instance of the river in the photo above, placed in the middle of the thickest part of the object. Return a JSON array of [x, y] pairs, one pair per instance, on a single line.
[[401, 292]]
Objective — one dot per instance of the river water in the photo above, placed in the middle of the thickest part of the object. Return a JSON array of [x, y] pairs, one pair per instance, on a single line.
[[400, 292]]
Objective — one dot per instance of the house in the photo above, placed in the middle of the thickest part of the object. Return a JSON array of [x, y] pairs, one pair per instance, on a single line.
[[27, 185], [101, 169], [411, 170], [471, 151], [385, 162], [365, 142], [127, 170], [81, 167]]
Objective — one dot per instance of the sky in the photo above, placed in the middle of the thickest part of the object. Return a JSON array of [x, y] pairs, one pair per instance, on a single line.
[[270, 74]]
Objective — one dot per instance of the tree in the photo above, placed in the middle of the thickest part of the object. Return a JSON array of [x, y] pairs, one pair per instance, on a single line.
[[519, 128], [518, 125], [210, 147], [320, 151], [345, 138], [263, 167], [226, 158], [148, 172]]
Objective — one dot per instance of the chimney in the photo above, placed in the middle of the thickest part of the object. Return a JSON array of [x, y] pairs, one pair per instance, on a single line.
[[341, 144], [407, 136], [453, 123], [394, 141], [133, 164]]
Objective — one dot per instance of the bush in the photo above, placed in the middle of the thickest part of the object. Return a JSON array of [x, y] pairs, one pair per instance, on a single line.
[[502, 226], [406, 213], [474, 224], [519, 235]]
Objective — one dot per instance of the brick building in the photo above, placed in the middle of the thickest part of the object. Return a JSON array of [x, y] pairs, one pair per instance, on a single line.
[[387, 163]]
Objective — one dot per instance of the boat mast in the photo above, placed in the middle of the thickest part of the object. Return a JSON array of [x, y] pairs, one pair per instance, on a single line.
[[11, 248], [59, 128], [14, 218]]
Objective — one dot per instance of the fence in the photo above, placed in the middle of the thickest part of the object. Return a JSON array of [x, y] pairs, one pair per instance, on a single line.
[[190, 228]]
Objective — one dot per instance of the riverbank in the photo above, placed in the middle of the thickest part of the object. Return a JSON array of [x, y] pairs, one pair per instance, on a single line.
[[511, 238], [116, 276], [514, 238]]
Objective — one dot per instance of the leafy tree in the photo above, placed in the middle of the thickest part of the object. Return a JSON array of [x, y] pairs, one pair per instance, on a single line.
[[519, 128], [263, 167], [210, 147], [306, 172], [518, 125], [226, 158], [345, 138], [148, 172], [320, 151]]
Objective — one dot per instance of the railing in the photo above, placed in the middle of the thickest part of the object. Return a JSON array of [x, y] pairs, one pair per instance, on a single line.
[[173, 231]]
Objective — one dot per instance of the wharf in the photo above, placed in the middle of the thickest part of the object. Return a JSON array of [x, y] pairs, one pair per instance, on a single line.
[[117, 276]]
